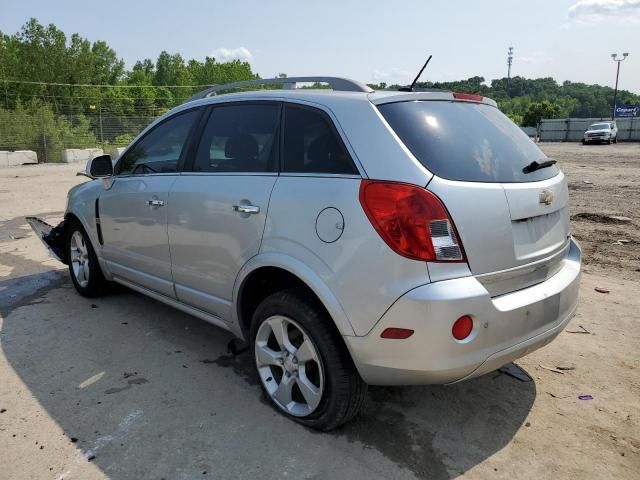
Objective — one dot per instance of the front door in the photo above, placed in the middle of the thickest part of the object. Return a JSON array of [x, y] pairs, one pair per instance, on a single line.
[[217, 209], [133, 212]]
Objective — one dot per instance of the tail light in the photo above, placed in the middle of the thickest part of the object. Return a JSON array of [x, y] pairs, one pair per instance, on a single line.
[[411, 220], [468, 96]]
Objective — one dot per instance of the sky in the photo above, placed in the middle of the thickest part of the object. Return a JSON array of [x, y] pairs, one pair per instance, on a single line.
[[372, 41]]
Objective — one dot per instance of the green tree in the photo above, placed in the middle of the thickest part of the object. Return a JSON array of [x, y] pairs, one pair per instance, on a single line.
[[539, 110], [37, 127], [516, 118]]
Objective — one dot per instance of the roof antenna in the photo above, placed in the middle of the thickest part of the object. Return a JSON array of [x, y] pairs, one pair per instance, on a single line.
[[410, 87]]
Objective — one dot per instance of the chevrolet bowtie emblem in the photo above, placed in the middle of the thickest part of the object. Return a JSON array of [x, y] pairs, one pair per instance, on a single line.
[[546, 197]]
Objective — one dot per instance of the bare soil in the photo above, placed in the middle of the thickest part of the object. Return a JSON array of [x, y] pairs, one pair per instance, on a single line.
[[604, 185]]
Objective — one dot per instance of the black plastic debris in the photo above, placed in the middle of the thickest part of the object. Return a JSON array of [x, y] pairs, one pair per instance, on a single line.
[[516, 372]]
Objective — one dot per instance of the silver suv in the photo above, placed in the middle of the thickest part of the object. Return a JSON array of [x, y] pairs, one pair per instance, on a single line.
[[350, 237]]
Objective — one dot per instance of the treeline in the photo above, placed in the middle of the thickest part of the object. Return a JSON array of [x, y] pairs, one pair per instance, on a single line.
[[38, 111], [45, 54], [527, 100]]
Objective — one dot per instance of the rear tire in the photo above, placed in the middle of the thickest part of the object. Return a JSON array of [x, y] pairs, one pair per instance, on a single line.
[[304, 368], [84, 268]]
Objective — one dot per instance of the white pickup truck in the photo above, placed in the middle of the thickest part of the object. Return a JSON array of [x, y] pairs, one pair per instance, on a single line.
[[601, 132]]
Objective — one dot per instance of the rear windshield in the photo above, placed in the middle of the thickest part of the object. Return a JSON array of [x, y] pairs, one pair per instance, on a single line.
[[466, 141]]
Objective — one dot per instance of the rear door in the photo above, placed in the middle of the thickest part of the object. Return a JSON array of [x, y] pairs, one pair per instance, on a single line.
[[133, 212], [218, 206], [507, 219]]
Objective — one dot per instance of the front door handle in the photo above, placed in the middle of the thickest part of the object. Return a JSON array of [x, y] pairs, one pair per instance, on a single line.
[[250, 209], [155, 203]]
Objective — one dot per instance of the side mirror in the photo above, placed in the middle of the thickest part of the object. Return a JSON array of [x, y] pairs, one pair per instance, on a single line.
[[99, 167]]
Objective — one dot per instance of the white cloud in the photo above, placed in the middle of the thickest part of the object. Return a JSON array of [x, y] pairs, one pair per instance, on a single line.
[[532, 58], [390, 77], [595, 11], [228, 54], [529, 60]]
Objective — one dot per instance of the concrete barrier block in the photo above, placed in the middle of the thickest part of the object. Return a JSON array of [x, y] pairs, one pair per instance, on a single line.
[[23, 157], [17, 158]]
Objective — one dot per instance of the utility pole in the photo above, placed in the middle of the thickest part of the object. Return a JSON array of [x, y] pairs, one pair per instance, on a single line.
[[615, 92]]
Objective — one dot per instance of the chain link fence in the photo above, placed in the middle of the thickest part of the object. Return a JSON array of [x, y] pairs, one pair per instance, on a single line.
[[49, 133]]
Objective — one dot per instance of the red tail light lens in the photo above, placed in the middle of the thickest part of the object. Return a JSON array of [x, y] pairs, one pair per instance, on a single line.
[[411, 220], [468, 96]]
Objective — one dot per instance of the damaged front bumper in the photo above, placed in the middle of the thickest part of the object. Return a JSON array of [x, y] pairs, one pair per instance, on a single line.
[[52, 237]]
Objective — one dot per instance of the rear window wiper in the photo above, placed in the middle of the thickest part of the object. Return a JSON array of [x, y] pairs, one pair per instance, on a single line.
[[533, 166]]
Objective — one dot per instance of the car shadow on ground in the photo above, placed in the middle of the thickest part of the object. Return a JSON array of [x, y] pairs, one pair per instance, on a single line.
[[150, 392]]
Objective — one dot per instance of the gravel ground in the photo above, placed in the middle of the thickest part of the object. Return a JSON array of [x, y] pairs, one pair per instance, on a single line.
[[123, 387]]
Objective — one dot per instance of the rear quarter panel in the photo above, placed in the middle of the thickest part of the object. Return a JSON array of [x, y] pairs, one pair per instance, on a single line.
[[361, 271]]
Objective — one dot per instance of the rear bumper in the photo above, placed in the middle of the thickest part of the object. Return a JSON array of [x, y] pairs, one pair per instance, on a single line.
[[505, 328]]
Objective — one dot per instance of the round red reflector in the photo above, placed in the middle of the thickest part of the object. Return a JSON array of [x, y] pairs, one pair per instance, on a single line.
[[396, 333], [462, 327]]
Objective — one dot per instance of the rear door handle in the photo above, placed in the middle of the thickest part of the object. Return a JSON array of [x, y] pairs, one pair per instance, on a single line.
[[251, 209], [155, 203]]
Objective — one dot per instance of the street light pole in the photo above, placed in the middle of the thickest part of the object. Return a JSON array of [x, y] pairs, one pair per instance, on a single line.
[[615, 92], [509, 63]]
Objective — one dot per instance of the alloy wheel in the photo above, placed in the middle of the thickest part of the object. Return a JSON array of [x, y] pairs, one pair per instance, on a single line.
[[289, 365], [79, 254]]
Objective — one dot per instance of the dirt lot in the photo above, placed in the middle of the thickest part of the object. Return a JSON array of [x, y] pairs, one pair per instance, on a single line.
[[123, 387], [604, 182]]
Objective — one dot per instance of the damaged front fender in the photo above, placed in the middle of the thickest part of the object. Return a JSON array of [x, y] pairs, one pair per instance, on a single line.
[[52, 237]]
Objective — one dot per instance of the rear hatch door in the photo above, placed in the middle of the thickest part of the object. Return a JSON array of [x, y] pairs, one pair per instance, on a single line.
[[513, 225]]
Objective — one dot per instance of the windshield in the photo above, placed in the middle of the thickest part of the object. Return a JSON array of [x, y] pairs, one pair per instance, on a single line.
[[599, 126], [466, 141]]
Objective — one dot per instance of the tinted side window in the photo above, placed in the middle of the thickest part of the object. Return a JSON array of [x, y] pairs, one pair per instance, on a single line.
[[311, 145], [240, 138], [159, 150]]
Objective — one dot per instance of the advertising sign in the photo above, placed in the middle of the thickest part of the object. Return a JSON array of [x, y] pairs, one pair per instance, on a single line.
[[628, 111]]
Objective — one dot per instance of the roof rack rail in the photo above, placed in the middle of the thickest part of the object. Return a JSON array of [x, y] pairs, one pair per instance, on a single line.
[[336, 83]]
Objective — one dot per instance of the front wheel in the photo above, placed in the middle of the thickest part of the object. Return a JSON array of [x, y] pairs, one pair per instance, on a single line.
[[84, 269], [304, 367], [584, 142]]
